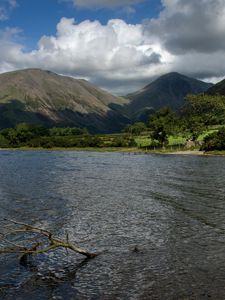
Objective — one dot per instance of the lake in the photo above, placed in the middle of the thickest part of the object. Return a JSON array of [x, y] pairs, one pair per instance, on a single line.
[[172, 208]]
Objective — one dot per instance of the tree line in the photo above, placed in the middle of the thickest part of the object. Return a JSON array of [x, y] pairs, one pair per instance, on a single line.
[[39, 136], [199, 113]]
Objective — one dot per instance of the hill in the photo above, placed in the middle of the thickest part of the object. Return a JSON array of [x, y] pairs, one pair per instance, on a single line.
[[37, 96], [168, 90], [218, 88]]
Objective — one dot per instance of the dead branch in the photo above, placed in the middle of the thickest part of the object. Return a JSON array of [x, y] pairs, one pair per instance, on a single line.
[[50, 243]]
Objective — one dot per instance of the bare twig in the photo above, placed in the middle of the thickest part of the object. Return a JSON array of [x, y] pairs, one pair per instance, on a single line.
[[38, 248]]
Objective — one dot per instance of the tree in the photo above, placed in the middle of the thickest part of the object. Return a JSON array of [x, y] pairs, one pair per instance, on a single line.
[[67, 131], [123, 141], [214, 141], [210, 109], [10, 135], [40, 136], [136, 128], [161, 124], [4, 143], [23, 133], [201, 111]]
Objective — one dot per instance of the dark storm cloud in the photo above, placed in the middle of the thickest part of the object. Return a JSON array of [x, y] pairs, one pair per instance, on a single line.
[[190, 26]]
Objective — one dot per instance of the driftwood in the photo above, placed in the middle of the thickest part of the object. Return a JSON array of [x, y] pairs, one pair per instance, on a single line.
[[42, 242]]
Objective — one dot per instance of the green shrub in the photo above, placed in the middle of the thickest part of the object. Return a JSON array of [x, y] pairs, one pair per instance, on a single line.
[[4, 143], [214, 141], [123, 141]]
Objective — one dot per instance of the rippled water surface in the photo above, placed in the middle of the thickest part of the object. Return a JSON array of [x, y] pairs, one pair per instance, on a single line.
[[172, 208]]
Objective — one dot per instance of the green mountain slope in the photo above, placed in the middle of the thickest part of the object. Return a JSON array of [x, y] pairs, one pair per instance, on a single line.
[[218, 88], [38, 96], [168, 90]]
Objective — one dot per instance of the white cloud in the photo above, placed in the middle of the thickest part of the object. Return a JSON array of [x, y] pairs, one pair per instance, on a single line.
[[5, 7], [188, 37], [104, 53], [193, 32]]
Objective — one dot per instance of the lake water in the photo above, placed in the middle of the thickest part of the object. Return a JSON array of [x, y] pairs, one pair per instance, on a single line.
[[171, 207]]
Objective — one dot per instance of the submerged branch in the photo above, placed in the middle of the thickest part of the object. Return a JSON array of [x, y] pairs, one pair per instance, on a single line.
[[51, 244]]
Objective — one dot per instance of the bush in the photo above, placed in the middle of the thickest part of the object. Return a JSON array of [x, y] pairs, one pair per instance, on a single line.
[[65, 142], [136, 128], [214, 141], [67, 131], [4, 143], [39, 136], [123, 141]]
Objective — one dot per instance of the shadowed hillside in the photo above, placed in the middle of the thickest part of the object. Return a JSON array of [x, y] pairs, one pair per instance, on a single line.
[[168, 90], [38, 96], [218, 88]]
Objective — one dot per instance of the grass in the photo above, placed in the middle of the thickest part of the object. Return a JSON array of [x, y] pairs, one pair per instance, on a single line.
[[176, 140], [216, 152], [144, 141]]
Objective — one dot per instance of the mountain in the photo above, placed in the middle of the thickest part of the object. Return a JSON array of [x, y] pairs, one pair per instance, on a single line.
[[218, 88], [37, 96], [168, 90], [43, 97]]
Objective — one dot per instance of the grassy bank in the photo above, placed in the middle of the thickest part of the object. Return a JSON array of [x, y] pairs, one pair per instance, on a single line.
[[132, 150]]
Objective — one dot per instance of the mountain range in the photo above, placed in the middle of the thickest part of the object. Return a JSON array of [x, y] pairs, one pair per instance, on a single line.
[[37, 96]]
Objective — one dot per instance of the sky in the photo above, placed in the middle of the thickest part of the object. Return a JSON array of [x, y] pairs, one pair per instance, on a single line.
[[119, 45]]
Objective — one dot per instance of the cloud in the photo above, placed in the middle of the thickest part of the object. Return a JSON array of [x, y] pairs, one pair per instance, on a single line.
[[190, 26], [104, 3], [107, 53], [193, 32], [187, 36], [12, 3], [3, 15], [5, 7]]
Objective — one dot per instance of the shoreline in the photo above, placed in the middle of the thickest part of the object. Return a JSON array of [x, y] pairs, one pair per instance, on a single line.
[[123, 150], [188, 152]]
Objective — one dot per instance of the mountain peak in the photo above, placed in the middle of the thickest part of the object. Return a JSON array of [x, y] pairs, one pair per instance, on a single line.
[[172, 74], [168, 90], [177, 76], [41, 96]]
